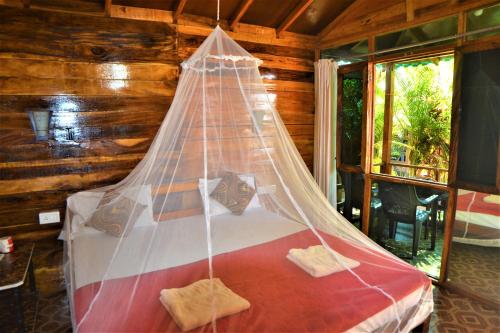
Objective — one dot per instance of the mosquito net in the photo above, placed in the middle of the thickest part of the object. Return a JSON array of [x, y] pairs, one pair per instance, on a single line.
[[221, 227]]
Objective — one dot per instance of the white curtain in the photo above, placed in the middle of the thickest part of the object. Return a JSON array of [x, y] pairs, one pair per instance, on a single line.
[[325, 127]]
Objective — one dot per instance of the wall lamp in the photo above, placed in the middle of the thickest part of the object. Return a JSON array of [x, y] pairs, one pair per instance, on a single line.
[[40, 122]]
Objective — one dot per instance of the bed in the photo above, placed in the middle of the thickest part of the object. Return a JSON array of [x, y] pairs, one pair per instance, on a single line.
[[477, 219], [283, 297]]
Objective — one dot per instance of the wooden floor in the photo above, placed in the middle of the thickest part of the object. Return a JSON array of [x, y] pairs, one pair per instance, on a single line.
[[453, 312]]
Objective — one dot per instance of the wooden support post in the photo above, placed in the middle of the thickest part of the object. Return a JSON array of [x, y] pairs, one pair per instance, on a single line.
[[242, 9], [498, 167], [371, 47], [455, 117], [338, 141], [387, 139], [367, 197], [410, 10], [293, 16], [461, 27], [448, 231], [367, 119], [107, 7], [179, 9]]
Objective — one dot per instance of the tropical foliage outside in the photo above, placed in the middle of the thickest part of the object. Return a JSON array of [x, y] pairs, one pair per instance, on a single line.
[[421, 116]]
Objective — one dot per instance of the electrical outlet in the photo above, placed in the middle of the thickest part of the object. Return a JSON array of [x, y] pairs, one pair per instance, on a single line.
[[49, 217]]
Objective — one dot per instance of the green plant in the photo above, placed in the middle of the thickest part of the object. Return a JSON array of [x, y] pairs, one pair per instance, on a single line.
[[352, 113], [422, 114]]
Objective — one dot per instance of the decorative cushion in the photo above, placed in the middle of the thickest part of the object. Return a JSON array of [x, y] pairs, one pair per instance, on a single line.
[[113, 213], [234, 193], [216, 208]]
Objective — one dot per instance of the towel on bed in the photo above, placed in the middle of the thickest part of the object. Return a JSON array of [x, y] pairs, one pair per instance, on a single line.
[[191, 306], [318, 261]]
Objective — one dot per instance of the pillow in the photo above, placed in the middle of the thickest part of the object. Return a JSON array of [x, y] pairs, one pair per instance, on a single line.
[[113, 213], [216, 208], [83, 204], [141, 194], [234, 193]]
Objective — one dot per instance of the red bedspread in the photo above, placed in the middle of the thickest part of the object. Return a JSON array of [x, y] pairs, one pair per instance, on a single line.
[[283, 297], [477, 204]]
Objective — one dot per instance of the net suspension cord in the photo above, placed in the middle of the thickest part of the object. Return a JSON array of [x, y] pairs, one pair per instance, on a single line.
[[218, 11]]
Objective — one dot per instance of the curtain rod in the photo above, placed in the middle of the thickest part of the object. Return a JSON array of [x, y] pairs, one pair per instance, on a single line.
[[436, 40]]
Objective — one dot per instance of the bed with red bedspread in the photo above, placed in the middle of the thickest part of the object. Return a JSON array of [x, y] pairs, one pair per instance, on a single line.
[[283, 297]]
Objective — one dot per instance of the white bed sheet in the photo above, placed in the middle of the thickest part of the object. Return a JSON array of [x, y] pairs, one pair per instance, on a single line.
[[171, 243], [484, 220], [480, 219]]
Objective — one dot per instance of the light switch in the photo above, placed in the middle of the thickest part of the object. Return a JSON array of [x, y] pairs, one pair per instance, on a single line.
[[49, 217]]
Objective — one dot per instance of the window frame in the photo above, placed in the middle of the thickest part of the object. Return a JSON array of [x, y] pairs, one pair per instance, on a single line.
[[460, 46], [385, 169], [342, 70]]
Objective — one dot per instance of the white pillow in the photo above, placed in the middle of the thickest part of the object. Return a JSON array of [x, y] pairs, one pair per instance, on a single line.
[[216, 208], [82, 205]]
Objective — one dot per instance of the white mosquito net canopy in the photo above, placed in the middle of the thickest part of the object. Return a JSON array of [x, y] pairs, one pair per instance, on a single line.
[[221, 227]]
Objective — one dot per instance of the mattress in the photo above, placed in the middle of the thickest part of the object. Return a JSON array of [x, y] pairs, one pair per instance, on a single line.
[[257, 239], [95, 260], [477, 220]]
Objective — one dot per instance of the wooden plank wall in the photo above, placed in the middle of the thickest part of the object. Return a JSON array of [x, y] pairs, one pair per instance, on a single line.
[[109, 83]]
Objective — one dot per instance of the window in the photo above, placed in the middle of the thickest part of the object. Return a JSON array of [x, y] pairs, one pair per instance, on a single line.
[[350, 114], [409, 221], [412, 118], [483, 18], [351, 110], [422, 33], [347, 54], [479, 130]]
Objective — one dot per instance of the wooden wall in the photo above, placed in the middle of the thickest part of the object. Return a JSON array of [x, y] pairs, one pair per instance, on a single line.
[[109, 83]]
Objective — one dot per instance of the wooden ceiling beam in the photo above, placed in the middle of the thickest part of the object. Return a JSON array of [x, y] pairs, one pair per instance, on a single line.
[[107, 7], [410, 10], [179, 9], [143, 14], [338, 19], [242, 9], [293, 16]]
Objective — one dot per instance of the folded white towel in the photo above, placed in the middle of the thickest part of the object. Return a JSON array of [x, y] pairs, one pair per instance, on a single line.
[[318, 261], [191, 306]]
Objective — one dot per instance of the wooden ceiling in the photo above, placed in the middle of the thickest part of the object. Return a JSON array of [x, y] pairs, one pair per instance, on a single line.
[[312, 15], [326, 23], [300, 16]]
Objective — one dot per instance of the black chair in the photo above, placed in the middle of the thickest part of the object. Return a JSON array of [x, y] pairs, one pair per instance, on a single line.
[[399, 204], [440, 204], [354, 188]]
